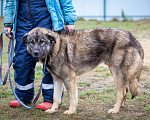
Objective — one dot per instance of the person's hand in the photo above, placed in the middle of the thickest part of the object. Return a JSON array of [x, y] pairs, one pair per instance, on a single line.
[[8, 29], [70, 27]]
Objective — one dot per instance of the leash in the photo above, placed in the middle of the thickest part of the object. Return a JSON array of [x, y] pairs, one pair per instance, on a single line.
[[9, 54], [10, 60]]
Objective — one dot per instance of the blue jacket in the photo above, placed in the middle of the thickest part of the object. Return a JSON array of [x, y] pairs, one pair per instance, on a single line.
[[62, 13]]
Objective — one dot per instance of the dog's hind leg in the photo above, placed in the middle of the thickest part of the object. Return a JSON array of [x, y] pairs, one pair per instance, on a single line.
[[58, 88], [134, 73], [124, 99], [133, 79], [134, 87], [71, 86], [121, 85]]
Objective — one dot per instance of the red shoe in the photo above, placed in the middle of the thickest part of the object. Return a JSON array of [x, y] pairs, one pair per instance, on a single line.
[[15, 103], [45, 106]]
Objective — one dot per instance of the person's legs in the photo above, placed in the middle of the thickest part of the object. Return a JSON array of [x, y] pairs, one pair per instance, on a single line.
[[23, 62]]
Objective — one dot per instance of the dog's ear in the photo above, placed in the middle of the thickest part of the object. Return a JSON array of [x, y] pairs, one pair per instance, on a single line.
[[51, 37], [24, 38]]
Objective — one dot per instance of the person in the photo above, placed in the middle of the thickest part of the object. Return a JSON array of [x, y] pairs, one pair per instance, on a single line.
[[22, 16]]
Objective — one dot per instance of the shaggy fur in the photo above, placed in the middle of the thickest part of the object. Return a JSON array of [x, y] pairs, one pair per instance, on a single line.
[[68, 54]]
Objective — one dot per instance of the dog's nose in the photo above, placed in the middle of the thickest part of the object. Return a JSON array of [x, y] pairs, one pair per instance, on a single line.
[[36, 53]]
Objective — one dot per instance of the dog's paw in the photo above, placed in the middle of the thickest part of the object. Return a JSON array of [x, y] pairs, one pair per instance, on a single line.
[[112, 111], [69, 112], [50, 111]]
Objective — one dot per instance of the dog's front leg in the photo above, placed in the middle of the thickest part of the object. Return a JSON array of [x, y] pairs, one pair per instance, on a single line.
[[71, 86], [58, 88]]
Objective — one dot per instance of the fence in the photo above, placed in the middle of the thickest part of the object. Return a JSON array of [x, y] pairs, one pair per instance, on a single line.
[[107, 9], [2, 3]]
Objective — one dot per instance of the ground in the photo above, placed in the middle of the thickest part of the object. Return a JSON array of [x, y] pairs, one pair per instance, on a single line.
[[97, 92]]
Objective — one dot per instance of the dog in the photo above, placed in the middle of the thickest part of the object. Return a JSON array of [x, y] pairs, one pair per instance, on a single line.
[[67, 54]]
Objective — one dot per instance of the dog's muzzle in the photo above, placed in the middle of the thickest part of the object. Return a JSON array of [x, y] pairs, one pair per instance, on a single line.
[[37, 54]]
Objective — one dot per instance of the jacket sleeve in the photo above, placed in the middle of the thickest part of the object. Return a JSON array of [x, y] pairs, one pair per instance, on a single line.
[[68, 11], [8, 13]]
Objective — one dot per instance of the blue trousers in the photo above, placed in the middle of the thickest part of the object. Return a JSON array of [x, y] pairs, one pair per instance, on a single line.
[[30, 15]]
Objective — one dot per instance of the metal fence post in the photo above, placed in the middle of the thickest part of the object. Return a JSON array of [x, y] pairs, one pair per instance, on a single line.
[[104, 10], [1, 8]]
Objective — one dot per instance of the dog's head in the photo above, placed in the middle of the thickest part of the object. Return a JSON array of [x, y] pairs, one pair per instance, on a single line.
[[39, 42]]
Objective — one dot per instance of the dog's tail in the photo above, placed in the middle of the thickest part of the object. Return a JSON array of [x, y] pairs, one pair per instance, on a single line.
[[137, 45]]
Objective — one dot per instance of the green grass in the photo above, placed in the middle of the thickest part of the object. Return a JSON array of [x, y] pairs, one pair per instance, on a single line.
[[39, 72], [101, 69], [6, 93], [93, 104], [128, 25], [105, 75], [81, 83]]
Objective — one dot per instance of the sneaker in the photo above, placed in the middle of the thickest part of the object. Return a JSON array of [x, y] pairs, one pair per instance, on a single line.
[[15, 103], [45, 106]]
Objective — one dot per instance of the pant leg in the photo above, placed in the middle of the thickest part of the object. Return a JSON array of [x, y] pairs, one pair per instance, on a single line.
[[47, 87], [23, 62]]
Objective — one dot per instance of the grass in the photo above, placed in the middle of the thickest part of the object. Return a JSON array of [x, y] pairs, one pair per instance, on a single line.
[[93, 104], [39, 72], [105, 75], [101, 69], [81, 83], [129, 25], [5, 94]]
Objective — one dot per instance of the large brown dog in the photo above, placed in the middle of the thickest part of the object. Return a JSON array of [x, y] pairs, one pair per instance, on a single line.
[[68, 54]]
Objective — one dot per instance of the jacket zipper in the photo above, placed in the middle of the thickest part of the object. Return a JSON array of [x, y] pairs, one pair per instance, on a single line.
[[30, 13]]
